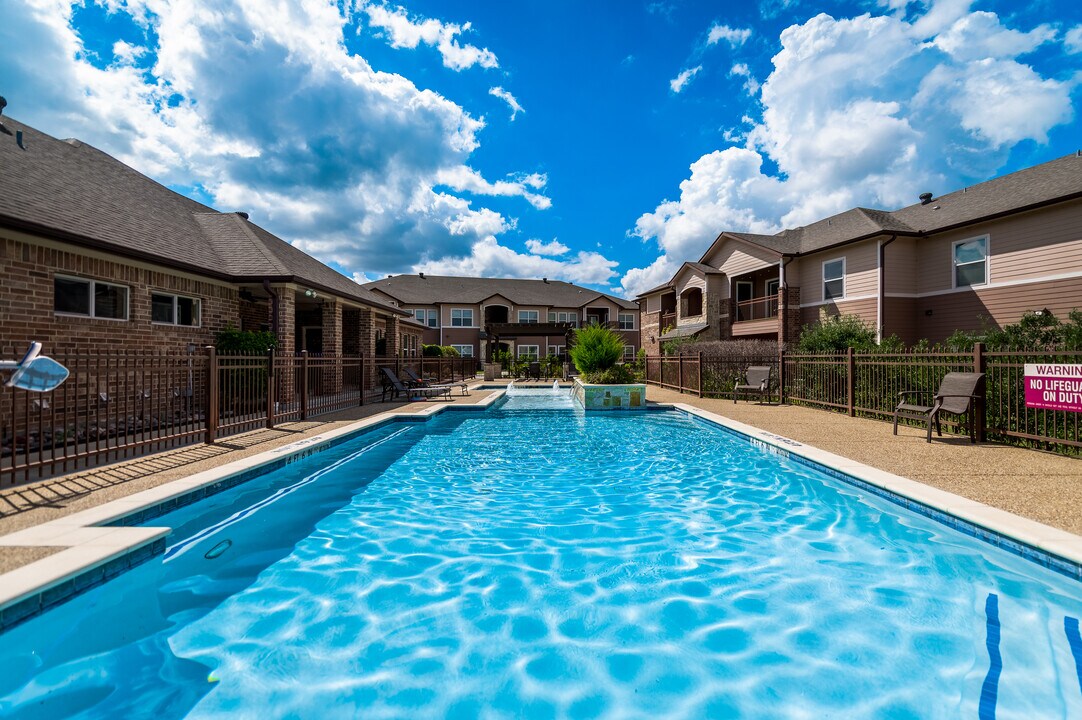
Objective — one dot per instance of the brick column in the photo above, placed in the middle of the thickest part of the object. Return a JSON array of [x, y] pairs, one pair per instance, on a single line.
[[287, 341], [332, 345], [366, 331], [394, 336], [789, 318]]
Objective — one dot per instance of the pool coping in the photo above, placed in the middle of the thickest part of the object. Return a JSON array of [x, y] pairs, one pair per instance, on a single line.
[[104, 541], [1055, 549]]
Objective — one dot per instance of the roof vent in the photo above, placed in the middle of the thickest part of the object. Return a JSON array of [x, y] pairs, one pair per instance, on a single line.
[[242, 214], [925, 198], [421, 275], [544, 280]]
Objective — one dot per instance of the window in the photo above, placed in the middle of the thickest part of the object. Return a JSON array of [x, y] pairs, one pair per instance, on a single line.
[[564, 317], [528, 316], [90, 298], [461, 318], [970, 262], [691, 302], [834, 279], [527, 351], [557, 350], [464, 350], [427, 317], [627, 321], [629, 353], [174, 310]]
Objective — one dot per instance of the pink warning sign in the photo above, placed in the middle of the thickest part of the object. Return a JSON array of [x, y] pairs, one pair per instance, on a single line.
[[1054, 387]]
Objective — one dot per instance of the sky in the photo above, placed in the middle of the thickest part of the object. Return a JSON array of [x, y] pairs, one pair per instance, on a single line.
[[603, 143]]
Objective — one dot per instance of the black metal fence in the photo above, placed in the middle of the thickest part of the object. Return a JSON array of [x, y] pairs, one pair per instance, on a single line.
[[868, 383], [124, 404]]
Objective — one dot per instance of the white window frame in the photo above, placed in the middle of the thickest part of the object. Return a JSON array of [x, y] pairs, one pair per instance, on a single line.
[[556, 350], [198, 309], [630, 322], [954, 261], [568, 317], [462, 312], [629, 352], [428, 317], [823, 287], [536, 315], [536, 354], [90, 283], [776, 284], [464, 350]]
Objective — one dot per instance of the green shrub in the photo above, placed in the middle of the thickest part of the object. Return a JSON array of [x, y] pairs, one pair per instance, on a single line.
[[431, 351], [232, 341], [450, 352], [835, 334], [615, 375], [596, 348]]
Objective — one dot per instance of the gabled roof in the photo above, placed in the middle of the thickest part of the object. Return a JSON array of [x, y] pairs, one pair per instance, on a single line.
[[445, 289], [71, 191], [659, 288], [1051, 182]]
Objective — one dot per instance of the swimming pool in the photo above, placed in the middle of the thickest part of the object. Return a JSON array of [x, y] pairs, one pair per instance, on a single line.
[[535, 561]]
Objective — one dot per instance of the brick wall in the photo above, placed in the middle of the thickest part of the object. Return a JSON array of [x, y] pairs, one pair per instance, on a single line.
[[254, 316], [26, 303]]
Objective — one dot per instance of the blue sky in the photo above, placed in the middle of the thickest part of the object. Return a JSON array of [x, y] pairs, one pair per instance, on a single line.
[[602, 143]]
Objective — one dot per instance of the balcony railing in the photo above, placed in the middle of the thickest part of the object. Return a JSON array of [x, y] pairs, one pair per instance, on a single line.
[[668, 320], [762, 308]]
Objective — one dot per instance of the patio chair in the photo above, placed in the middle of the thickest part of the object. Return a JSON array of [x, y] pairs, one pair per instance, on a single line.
[[533, 372], [756, 380], [393, 385], [421, 382], [956, 396]]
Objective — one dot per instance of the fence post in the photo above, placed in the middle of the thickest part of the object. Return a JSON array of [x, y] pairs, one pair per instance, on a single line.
[[271, 379], [304, 384], [700, 373], [212, 394], [781, 376], [364, 385], [680, 374], [850, 373], [980, 365]]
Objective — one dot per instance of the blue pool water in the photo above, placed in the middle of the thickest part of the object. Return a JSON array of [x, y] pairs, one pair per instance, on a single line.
[[530, 561]]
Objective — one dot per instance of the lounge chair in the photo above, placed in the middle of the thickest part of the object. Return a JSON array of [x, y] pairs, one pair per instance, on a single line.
[[421, 382], [956, 396], [756, 380], [392, 384], [533, 371]]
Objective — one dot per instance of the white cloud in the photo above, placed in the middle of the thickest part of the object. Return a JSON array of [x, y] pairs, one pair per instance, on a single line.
[[734, 36], [980, 35], [357, 166], [1072, 40], [553, 249], [864, 111], [464, 179], [508, 98], [404, 32], [751, 85], [488, 258], [678, 83]]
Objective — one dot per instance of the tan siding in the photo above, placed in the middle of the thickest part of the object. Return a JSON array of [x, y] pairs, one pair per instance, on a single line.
[[900, 318], [653, 304], [866, 310], [734, 258], [901, 266], [1035, 244], [861, 271]]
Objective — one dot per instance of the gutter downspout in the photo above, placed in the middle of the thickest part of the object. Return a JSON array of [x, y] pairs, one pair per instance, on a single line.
[[882, 299], [274, 306], [783, 306]]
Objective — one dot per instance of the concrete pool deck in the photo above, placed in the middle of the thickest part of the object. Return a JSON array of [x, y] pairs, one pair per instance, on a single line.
[[1039, 486]]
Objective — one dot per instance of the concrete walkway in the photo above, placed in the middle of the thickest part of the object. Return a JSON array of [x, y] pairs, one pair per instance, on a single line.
[[1038, 485]]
